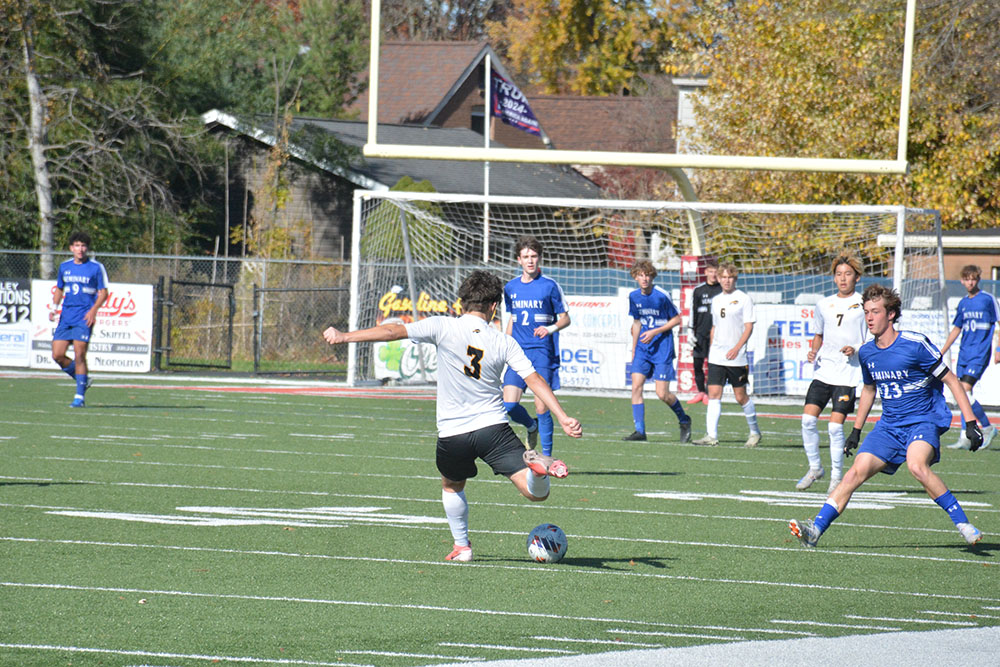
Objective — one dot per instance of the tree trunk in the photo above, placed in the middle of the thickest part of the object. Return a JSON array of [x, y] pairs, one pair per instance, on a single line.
[[36, 145]]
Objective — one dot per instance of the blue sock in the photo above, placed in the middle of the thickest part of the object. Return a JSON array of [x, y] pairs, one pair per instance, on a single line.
[[955, 512], [519, 414], [81, 385], [984, 421], [545, 432], [639, 417], [826, 515], [679, 411], [70, 370]]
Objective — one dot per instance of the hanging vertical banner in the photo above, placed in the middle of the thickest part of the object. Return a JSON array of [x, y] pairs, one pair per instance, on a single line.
[[510, 105], [15, 321]]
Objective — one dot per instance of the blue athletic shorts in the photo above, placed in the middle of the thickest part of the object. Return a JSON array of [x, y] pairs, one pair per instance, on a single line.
[[890, 443], [543, 366], [658, 370], [77, 330], [970, 372]]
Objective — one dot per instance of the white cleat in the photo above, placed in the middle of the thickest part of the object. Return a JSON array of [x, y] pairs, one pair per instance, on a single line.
[[989, 433], [963, 442], [971, 534], [810, 477], [834, 481], [753, 440], [460, 554]]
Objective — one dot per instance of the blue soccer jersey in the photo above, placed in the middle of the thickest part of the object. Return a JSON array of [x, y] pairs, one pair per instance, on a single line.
[[80, 284], [976, 317], [907, 375], [653, 310], [531, 305]]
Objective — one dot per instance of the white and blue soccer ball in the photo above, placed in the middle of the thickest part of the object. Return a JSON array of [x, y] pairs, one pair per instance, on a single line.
[[547, 543]]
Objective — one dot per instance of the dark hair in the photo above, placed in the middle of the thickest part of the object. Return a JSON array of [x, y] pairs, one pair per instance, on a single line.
[[850, 259], [971, 271], [529, 242], [890, 299], [479, 291], [81, 236], [711, 263]]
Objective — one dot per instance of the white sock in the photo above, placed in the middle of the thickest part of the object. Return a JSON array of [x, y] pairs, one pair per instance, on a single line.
[[538, 486], [456, 508], [712, 418], [810, 441], [750, 412], [836, 448]]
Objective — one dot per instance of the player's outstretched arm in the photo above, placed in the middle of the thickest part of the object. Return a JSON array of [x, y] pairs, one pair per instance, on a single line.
[[383, 333], [541, 389], [952, 335]]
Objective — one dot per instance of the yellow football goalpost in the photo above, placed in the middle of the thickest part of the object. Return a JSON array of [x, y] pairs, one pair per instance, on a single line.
[[661, 160]]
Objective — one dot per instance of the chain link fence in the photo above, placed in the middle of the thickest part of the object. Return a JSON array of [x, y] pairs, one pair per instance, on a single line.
[[283, 333]]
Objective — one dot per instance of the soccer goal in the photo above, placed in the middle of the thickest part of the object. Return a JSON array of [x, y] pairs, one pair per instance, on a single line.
[[411, 251]]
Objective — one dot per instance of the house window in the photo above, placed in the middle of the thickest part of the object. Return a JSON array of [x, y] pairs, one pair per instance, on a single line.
[[477, 122]]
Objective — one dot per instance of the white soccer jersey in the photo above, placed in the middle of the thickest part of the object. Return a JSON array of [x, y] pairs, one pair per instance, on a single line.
[[471, 357], [730, 312], [841, 322]]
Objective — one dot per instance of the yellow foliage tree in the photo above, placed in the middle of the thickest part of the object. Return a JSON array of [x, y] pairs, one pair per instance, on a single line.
[[821, 78]]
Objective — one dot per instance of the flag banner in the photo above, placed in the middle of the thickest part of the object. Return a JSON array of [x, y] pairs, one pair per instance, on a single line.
[[510, 105]]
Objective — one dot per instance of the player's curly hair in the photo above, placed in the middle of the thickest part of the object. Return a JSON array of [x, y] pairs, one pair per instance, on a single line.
[[643, 266], [971, 271], [81, 236], [849, 258], [480, 291], [890, 299]]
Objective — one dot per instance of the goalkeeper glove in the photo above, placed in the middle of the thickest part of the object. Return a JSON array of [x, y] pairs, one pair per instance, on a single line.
[[974, 434], [852, 442]]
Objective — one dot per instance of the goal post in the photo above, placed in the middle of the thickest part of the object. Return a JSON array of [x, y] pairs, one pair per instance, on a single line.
[[411, 251]]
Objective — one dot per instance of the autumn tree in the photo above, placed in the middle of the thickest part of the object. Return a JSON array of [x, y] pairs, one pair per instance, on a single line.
[[432, 20], [589, 47], [821, 78]]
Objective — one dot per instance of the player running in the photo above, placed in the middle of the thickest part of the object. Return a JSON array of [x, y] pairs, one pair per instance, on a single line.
[[654, 317], [976, 319], [471, 419], [81, 288], [840, 332], [906, 371], [537, 312]]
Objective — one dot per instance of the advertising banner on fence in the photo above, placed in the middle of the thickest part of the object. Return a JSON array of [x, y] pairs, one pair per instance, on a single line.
[[15, 321], [122, 339], [594, 348]]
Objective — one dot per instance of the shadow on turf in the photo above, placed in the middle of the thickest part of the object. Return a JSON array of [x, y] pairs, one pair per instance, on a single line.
[[600, 563], [42, 483], [577, 473], [135, 406]]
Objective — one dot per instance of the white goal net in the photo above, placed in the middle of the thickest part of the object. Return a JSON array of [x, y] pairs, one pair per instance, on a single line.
[[411, 251]]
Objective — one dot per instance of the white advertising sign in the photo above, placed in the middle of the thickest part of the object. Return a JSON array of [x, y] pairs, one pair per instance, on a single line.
[[15, 321], [594, 349], [122, 339], [400, 360]]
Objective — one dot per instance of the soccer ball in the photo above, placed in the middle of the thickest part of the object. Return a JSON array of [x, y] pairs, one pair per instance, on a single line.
[[547, 543]]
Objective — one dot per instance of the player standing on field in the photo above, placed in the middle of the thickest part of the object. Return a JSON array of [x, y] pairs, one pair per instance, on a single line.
[[906, 371], [471, 419], [976, 320], [537, 311], [840, 332], [81, 288], [733, 318], [701, 327], [654, 317]]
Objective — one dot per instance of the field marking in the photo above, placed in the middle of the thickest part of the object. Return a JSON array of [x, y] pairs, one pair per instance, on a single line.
[[307, 517], [869, 500], [497, 647], [613, 642], [966, 624], [968, 614], [185, 656], [524, 568], [846, 626], [688, 635]]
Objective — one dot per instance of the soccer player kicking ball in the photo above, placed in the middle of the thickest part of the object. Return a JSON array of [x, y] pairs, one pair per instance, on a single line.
[[81, 289], [907, 372], [471, 419], [733, 318], [654, 316], [976, 318], [840, 332], [537, 311]]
